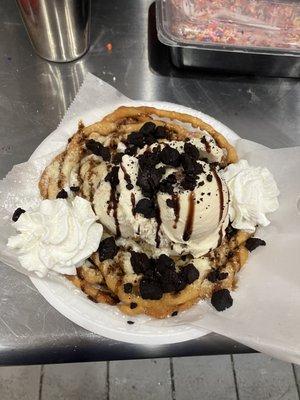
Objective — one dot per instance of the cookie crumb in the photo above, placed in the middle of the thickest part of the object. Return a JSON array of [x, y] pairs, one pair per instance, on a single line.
[[62, 194], [253, 243], [17, 213], [221, 299], [127, 287]]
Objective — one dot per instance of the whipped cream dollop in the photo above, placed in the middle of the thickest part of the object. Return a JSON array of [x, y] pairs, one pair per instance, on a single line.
[[253, 194], [58, 236]]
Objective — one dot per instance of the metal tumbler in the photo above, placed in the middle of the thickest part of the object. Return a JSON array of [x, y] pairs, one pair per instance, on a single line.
[[59, 30]]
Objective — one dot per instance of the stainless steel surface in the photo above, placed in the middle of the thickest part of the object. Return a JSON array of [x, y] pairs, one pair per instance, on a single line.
[[59, 30], [276, 63], [240, 62], [33, 98]]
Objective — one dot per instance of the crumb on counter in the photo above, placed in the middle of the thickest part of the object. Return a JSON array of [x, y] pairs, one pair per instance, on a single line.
[[109, 47]]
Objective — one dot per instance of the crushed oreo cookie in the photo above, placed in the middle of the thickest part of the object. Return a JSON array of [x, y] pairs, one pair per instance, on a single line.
[[167, 184], [150, 290], [160, 276], [130, 322], [149, 180], [161, 132], [191, 150], [62, 194], [221, 299], [127, 287], [131, 150], [16, 215], [165, 262], [148, 128], [189, 274], [75, 189], [146, 207], [190, 165], [170, 203], [148, 160], [136, 139], [107, 249], [145, 136], [189, 182], [216, 275], [174, 313], [98, 149], [169, 280], [133, 305], [140, 262], [209, 177], [253, 243], [170, 156], [230, 231]]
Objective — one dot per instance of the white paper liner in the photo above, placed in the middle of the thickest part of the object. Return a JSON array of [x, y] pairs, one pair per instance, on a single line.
[[265, 314], [266, 310]]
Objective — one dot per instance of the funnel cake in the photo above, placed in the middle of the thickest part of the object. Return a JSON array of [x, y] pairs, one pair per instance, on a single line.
[[152, 177]]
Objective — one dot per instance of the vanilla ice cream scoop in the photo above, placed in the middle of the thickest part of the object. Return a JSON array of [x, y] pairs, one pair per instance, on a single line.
[[195, 221], [167, 196]]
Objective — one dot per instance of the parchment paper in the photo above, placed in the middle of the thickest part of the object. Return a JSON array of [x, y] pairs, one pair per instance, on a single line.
[[266, 311]]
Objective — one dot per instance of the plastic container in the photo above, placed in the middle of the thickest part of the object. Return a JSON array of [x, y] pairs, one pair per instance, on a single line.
[[247, 36]]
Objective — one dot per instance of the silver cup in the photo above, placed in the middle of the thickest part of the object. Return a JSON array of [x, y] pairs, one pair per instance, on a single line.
[[59, 30]]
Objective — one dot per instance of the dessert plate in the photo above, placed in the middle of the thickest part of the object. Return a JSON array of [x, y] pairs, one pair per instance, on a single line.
[[103, 319]]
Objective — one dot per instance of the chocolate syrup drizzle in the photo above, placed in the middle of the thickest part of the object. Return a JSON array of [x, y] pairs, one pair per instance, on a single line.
[[126, 175], [206, 144], [221, 196], [113, 205], [132, 197], [176, 206], [220, 237], [188, 229], [158, 221]]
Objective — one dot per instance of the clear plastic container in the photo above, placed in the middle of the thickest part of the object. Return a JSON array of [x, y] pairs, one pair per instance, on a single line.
[[258, 25], [245, 36]]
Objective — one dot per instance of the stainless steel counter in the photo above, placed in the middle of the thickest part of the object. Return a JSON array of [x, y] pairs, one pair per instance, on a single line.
[[33, 98]]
